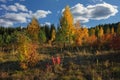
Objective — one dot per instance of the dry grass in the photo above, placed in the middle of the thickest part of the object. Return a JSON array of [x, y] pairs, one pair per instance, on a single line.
[[82, 65]]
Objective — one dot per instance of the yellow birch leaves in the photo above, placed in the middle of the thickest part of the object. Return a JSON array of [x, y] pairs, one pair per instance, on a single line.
[[67, 25]]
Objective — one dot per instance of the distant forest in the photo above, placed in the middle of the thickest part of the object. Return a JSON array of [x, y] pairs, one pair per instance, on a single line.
[[105, 36], [8, 34]]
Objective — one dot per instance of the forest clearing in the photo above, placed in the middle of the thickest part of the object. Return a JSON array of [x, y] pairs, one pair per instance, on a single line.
[[68, 51]]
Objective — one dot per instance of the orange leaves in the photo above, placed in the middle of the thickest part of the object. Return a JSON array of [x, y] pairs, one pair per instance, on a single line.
[[107, 37], [91, 40], [23, 65], [32, 57], [81, 36]]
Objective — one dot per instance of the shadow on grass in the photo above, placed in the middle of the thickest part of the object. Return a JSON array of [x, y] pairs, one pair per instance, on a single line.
[[14, 65], [114, 57], [84, 60], [116, 74], [9, 66]]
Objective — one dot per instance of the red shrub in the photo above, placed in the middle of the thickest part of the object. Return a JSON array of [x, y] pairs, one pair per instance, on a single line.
[[53, 60], [58, 60], [115, 43]]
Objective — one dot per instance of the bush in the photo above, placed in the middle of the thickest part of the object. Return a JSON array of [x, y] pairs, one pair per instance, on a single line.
[[27, 51]]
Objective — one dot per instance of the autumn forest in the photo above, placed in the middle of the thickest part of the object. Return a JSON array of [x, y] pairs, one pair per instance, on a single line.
[[68, 51]]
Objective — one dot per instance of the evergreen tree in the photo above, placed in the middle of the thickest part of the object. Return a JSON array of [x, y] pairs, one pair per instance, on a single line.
[[91, 32], [42, 36], [97, 31], [118, 29], [47, 32]]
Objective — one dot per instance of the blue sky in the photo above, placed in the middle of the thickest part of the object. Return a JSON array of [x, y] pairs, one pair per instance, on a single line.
[[89, 12]]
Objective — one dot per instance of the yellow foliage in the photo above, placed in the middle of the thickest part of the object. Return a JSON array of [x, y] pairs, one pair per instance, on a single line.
[[53, 35], [67, 26], [68, 16], [101, 32], [112, 30], [81, 35], [27, 51], [33, 29]]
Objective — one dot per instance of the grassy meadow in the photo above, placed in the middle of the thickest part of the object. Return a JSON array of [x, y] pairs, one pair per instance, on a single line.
[[75, 64], [68, 51]]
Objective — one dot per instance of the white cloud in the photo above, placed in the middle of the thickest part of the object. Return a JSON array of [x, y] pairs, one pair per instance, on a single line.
[[21, 7], [41, 14], [9, 19], [18, 13], [16, 7], [16, 17], [9, 8], [46, 23], [93, 12], [5, 23]]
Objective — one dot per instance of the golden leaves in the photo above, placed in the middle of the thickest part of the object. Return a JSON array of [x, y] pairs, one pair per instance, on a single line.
[[33, 29], [27, 51], [81, 35], [67, 26]]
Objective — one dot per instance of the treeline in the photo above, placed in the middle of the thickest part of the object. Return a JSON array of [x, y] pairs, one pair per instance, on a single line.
[[67, 33], [107, 36], [7, 35]]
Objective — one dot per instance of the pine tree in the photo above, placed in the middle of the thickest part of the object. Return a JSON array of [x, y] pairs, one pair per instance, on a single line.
[[118, 29], [91, 32], [47, 32], [97, 31]]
